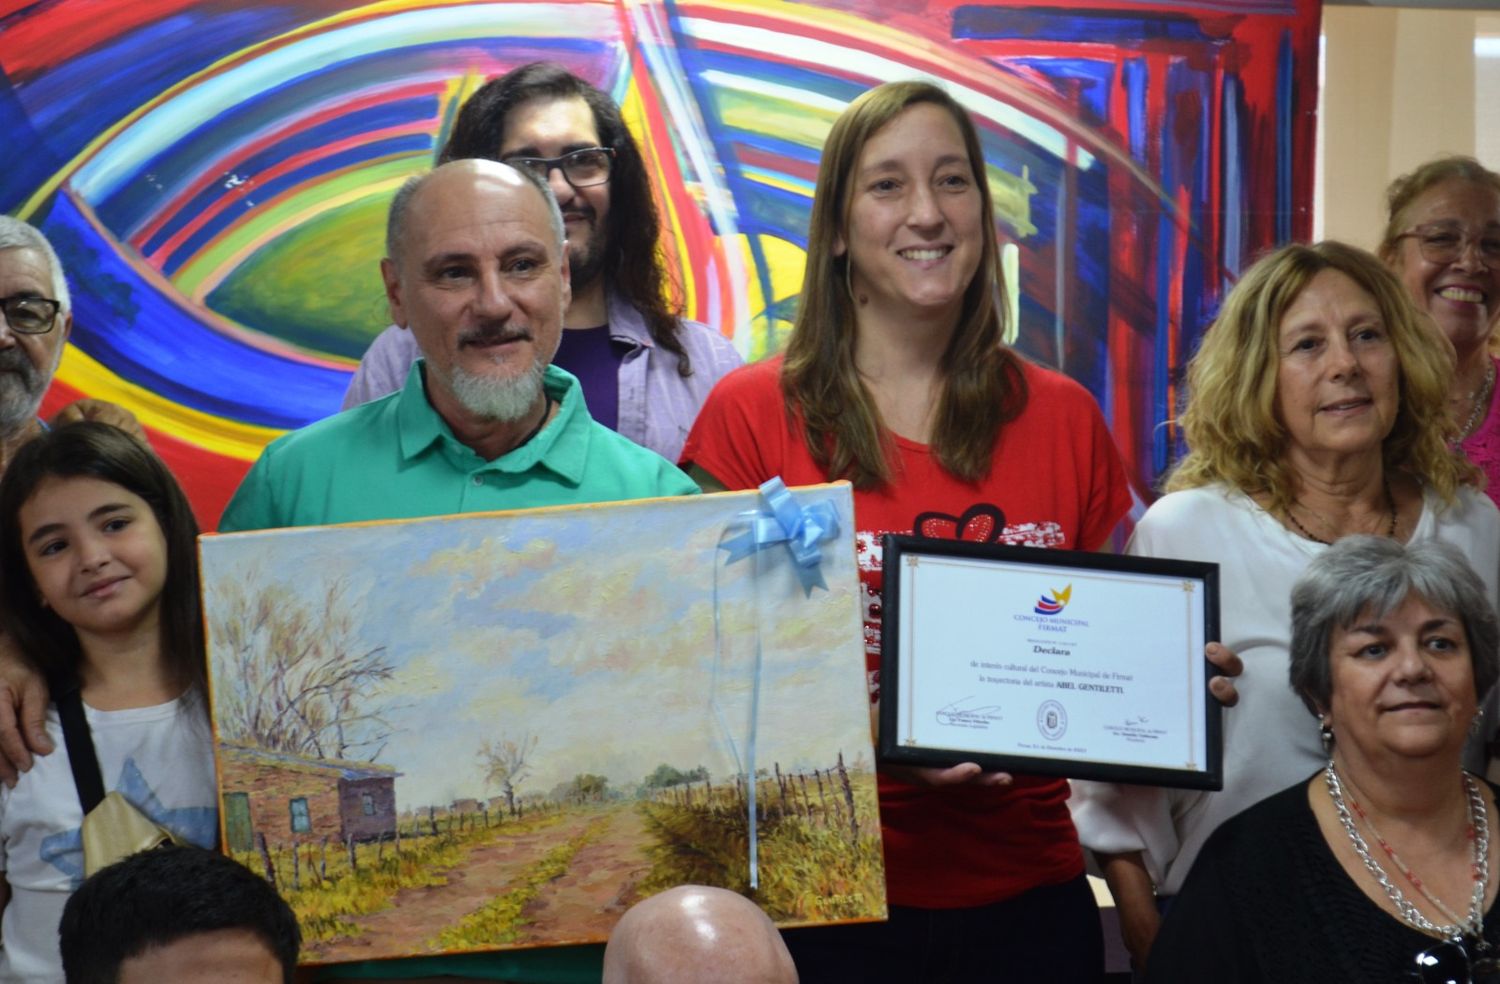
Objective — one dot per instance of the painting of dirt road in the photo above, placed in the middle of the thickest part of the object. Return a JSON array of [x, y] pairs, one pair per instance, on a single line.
[[483, 732]]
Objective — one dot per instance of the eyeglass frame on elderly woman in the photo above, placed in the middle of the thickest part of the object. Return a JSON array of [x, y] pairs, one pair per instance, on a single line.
[[542, 166], [18, 303], [1438, 964], [1486, 245]]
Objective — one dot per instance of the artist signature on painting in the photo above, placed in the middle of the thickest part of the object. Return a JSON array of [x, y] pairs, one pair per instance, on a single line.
[[957, 715]]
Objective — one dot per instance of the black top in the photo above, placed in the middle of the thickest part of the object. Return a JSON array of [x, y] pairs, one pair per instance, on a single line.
[[1266, 900]]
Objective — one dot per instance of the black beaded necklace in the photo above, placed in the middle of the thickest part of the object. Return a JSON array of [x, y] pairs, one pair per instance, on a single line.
[[547, 412], [1390, 530]]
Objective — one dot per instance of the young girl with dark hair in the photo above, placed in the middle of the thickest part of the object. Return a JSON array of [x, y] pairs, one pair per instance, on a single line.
[[99, 572]]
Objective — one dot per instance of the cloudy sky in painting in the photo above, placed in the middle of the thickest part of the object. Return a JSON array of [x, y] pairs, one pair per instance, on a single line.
[[592, 629]]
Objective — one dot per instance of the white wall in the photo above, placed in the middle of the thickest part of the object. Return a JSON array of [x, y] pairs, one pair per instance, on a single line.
[[1400, 86]]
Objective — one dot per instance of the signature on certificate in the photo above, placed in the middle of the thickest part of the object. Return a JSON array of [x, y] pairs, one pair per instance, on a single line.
[[1136, 730], [959, 715]]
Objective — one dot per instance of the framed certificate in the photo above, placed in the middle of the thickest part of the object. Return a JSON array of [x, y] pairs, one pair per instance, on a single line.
[[1049, 662]]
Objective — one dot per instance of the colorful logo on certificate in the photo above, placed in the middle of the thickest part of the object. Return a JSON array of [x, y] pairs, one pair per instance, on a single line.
[[1052, 720], [1055, 604]]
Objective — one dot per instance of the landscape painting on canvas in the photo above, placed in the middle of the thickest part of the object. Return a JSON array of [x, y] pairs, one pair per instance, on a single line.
[[492, 731]]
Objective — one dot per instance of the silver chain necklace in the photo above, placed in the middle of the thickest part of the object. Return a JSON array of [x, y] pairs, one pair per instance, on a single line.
[[1479, 826], [1480, 400]]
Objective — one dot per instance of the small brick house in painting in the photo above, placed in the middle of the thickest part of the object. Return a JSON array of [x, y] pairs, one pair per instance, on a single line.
[[289, 798]]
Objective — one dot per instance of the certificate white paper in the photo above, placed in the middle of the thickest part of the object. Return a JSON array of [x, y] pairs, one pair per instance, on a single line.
[[1092, 667]]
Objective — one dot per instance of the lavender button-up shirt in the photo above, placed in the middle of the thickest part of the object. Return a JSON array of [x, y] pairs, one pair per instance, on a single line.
[[657, 406]]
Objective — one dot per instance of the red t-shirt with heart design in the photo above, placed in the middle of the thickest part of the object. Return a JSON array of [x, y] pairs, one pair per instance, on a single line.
[[1055, 481]]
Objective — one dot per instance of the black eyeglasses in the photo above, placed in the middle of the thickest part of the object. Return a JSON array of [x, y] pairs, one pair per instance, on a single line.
[[582, 168], [1449, 963], [1445, 244], [29, 315]]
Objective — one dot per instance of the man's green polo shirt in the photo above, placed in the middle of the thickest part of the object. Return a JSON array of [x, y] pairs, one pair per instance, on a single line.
[[395, 458]]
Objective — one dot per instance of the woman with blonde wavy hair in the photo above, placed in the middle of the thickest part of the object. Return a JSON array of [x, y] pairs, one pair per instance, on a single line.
[[1316, 409], [896, 378]]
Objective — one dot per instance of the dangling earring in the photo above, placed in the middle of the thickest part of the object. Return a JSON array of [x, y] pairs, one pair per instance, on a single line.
[[1325, 732]]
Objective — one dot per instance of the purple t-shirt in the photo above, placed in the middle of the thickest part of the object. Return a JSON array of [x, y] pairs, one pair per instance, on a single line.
[[592, 356]]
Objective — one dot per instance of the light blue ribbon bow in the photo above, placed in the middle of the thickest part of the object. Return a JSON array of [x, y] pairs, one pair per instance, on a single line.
[[801, 528]]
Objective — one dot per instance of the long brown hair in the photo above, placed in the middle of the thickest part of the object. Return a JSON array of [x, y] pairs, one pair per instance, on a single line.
[[634, 265], [93, 450], [983, 387]]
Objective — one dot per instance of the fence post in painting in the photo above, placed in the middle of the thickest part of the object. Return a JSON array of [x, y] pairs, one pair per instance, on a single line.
[[323, 860], [806, 803], [822, 800], [296, 867], [380, 847], [353, 861], [432, 820], [848, 798], [708, 795], [780, 787], [396, 841], [265, 857]]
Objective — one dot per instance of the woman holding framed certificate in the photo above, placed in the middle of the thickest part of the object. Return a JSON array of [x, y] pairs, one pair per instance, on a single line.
[[1316, 409], [896, 378]]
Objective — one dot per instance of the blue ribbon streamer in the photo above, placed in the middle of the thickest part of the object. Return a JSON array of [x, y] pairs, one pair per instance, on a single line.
[[801, 528]]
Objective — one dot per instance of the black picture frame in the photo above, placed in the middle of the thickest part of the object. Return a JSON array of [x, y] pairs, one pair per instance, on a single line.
[[902, 552]]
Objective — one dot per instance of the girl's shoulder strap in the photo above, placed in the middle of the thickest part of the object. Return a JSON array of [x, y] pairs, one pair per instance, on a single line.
[[87, 777]]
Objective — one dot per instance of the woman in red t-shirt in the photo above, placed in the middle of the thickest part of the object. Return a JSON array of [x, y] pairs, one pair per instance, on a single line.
[[896, 378]]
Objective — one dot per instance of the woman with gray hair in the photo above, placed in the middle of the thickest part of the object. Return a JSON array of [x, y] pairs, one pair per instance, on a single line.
[[1380, 867]]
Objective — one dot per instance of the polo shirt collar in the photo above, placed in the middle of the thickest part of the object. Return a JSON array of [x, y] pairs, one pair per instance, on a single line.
[[561, 447]]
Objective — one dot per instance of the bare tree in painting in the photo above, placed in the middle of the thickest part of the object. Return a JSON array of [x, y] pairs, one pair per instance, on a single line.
[[299, 677], [504, 764]]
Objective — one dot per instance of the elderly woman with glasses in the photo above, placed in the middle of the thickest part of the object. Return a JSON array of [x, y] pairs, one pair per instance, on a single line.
[[1381, 867], [1316, 409], [1442, 238]]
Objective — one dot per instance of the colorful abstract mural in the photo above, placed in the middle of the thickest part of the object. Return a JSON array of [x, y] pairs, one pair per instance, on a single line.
[[215, 173]]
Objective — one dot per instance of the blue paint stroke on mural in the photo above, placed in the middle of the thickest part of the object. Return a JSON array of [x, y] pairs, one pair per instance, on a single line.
[[129, 326], [72, 107], [987, 22], [355, 125], [131, 202], [1084, 83], [417, 144], [1285, 79], [30, 160]]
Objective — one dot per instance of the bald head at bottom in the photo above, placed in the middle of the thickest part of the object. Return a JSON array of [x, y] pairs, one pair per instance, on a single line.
[[697, 934]]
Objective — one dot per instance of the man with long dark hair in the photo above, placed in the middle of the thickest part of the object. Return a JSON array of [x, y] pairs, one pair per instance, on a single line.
[[645, 371]]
